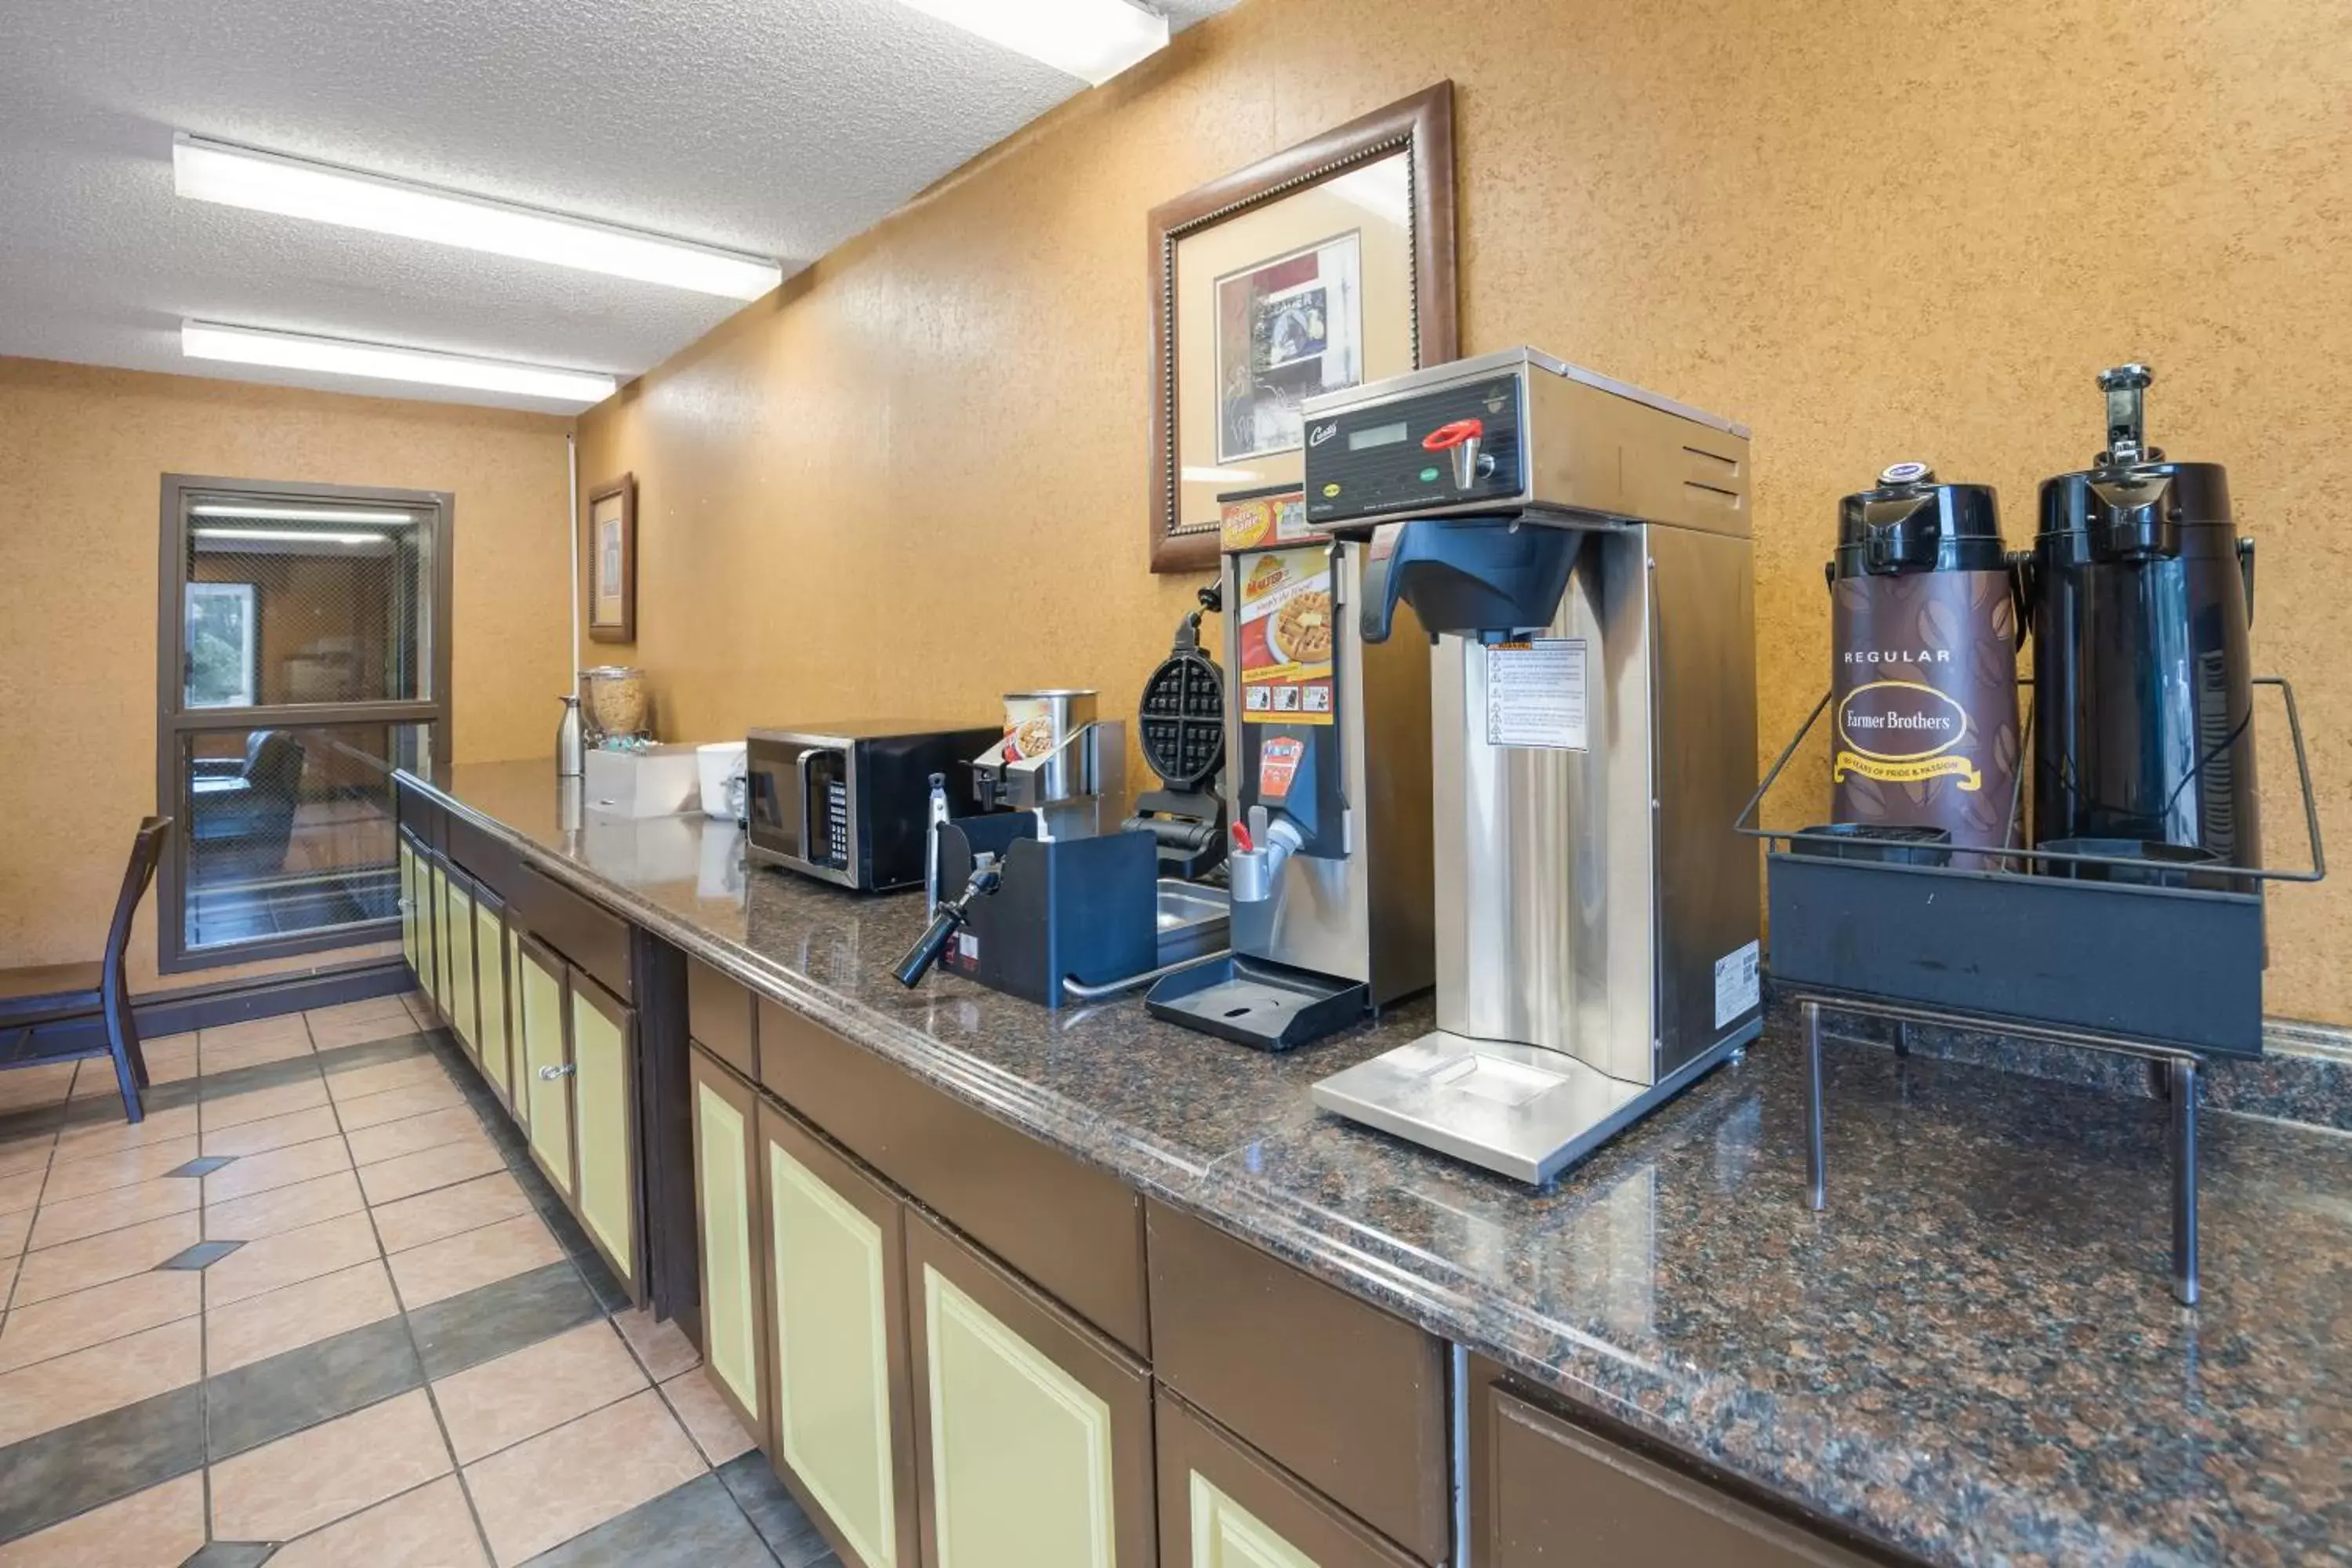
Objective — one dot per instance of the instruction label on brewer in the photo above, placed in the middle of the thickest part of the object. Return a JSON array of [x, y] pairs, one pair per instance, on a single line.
[[1737, 990], [1534, 694]]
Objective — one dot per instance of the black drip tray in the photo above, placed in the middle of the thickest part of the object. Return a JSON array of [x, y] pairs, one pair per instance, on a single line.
[[1261, 1005]]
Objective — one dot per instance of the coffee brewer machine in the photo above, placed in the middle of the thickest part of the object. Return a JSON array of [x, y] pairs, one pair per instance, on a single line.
[[1579, 549], [1327, 787], [2143, 710]]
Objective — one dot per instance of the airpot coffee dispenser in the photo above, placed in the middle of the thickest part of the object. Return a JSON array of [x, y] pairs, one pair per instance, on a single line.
[[1579, 549], [2143, 596]]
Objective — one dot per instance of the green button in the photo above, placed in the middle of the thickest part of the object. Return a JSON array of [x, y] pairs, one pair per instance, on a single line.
[[1428, 475]]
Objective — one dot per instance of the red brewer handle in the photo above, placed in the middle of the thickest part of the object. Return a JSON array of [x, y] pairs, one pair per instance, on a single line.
[[1447, 437]]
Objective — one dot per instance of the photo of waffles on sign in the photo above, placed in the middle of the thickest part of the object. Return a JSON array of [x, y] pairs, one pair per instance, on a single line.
[[1302, 628]]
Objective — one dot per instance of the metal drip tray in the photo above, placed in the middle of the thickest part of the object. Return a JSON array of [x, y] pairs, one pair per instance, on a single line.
[[1521, 1110], [1257, 1004], [1193, 920]]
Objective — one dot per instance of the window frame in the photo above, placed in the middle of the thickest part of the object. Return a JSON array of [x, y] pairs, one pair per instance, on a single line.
[[175, 720]]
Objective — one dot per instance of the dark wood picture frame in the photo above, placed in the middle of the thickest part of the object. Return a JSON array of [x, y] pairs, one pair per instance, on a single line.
[[625, 628], [1421, 127]]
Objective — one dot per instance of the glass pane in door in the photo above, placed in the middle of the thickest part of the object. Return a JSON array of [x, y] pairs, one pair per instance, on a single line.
[[288, 831], [288, 604]]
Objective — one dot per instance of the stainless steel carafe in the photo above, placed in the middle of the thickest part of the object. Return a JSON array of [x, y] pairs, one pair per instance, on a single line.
[[2142, 600], [570, 742]]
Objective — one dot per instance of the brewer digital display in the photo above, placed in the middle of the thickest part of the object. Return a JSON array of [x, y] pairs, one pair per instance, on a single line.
[[1378, 436]]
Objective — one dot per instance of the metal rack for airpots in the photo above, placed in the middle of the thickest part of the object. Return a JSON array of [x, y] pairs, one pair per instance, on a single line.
[[2085, 951]]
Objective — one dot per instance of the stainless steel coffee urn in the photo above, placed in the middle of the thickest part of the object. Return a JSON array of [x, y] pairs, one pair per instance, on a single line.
[[1580, 551]]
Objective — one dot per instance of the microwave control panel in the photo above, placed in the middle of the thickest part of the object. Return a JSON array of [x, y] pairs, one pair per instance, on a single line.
[[1401, 454], [828, 810]]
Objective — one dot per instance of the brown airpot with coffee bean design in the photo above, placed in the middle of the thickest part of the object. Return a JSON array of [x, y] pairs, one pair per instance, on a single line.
[[1922, 689]]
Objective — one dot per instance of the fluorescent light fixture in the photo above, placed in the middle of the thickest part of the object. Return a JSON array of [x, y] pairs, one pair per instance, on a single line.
[[294, 513], [286, 536], [296, 351], [1219, 475], [265, 182], [1091, 40]]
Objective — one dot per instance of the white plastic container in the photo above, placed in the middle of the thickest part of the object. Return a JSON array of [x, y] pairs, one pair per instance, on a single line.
[[658, 783], [719, 761]]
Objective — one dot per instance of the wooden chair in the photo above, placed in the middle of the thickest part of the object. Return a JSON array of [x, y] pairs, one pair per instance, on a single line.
[[40, 995]]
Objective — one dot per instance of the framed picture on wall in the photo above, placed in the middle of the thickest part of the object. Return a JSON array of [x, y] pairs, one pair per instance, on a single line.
[[1314, 270], [612, 560]]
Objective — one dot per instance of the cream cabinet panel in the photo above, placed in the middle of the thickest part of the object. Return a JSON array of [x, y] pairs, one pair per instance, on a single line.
[[546, 1064], [436, 966], [1021, 1450], [724, 1199], [1227, 1535], [518, 1064], [832, 1349], [1033, 1437], [1223, 1504], [408, 906], [604, 1097], [492, 977], [458, 910]]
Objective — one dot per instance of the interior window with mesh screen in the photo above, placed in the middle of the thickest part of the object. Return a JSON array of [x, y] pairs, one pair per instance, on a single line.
[[305, 629]]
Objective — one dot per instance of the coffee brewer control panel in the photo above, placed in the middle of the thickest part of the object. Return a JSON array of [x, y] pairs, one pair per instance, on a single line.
[[1454, 444]]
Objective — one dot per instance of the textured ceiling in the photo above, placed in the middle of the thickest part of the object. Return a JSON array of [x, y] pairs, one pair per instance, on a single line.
[[781, 127]]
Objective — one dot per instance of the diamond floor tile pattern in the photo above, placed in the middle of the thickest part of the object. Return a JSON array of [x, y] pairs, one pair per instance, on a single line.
[[320, 1287]]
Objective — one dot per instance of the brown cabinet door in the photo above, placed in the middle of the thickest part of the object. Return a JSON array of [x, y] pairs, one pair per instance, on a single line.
[[1075, 1231], [1546, 1491], [731, 1230], [840, 1424], [1346, 1396], [1223, 1505], [1033, 1431], [719, 1015]]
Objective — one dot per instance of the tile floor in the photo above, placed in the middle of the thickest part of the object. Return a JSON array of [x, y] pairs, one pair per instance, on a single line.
[[319, 1308]]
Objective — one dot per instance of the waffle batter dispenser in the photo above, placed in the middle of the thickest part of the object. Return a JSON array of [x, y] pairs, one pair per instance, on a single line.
[[1326, 786], [1579, 549]]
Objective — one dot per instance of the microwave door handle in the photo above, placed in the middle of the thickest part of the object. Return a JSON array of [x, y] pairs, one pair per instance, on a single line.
[[800, 768]]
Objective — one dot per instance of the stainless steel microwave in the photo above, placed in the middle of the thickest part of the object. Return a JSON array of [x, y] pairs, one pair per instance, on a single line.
[[849, 803]]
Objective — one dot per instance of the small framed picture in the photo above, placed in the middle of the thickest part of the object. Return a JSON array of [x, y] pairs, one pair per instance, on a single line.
[[1316, 270], [612, 560]]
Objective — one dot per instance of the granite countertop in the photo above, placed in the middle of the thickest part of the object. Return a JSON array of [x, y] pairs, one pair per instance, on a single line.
[[1973, 1353]]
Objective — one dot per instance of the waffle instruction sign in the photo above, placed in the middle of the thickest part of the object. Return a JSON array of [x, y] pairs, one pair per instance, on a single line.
[[1536, 695], [1289, 621]]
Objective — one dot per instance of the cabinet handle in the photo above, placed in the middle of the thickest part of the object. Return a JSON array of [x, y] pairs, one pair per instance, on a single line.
[[561, 1069]]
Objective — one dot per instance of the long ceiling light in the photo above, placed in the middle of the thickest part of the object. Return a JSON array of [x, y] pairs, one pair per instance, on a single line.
[[287, 536], [265, 182], [295, 351], [1091, 40], [257, 513]]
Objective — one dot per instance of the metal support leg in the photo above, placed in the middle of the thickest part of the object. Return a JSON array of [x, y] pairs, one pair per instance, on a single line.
[[1902, 1036], [2182, 1074], [1816, 1156]]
